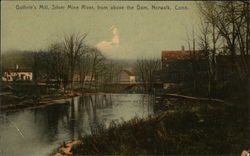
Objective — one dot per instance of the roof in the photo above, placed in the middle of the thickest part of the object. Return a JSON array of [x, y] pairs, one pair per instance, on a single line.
[[20, 69], [128, 72], [182, 55]]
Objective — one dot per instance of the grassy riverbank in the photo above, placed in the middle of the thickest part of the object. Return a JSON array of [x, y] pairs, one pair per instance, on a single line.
[[205, 128]]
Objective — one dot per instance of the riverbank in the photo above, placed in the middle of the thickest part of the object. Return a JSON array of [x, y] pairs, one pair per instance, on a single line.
[[30, 103], [200, 128], [25, 95], [25, 104]]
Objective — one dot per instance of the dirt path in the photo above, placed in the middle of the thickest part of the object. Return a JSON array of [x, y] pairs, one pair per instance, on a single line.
[[66, 151]]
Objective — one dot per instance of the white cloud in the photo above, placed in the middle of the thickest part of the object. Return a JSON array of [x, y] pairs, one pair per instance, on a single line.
[[114, 42]]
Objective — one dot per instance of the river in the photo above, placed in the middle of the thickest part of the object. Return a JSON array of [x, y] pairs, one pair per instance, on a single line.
[[39, 131]]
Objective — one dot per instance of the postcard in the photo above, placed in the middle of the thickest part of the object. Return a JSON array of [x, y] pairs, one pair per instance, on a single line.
[[124, 78]]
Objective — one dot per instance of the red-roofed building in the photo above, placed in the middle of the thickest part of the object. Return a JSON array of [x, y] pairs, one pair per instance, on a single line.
[[183, 65], [17, 73], [183, 55]]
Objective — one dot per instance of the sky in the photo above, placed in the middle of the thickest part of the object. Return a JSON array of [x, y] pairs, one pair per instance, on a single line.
[[117, 33]]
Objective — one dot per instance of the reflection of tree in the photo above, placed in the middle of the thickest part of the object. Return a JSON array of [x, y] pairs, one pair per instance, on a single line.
[[48, 119], [90, 105], [146, 101], [94, 121], [80, 117], [72, 120]]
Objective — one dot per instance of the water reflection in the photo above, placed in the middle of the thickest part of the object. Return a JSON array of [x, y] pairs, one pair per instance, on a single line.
[[38, 131]]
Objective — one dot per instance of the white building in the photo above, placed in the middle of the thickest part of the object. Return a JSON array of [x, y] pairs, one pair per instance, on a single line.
[[126, 76], [17, 73], [83, 77]]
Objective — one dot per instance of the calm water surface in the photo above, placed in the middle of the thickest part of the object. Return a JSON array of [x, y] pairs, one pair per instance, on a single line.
[[39, 131]]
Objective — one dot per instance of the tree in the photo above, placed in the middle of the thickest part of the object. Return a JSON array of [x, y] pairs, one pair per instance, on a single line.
[[147, 70], [84, 69], [225, 31], [73, 46], [58, 66], [97, 64], [231, 20], [92, 64], [209, 39]]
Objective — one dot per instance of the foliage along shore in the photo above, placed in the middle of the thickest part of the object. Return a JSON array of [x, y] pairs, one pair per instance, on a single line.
[[24, 103], [191, 128]]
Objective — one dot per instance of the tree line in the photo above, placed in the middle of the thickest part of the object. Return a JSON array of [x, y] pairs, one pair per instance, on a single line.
[[223, 36], [65, 59]]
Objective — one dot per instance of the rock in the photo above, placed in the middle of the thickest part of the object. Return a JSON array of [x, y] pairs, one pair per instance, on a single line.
[[245, 153]]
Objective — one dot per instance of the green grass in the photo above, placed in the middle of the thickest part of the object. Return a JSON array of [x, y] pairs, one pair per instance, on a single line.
[[199, 131]]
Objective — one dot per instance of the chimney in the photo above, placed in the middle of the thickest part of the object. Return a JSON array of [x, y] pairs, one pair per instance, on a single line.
[[182, 48], [17, 66]]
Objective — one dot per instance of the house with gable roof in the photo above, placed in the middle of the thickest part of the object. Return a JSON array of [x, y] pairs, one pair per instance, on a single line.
[[17, 74]]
